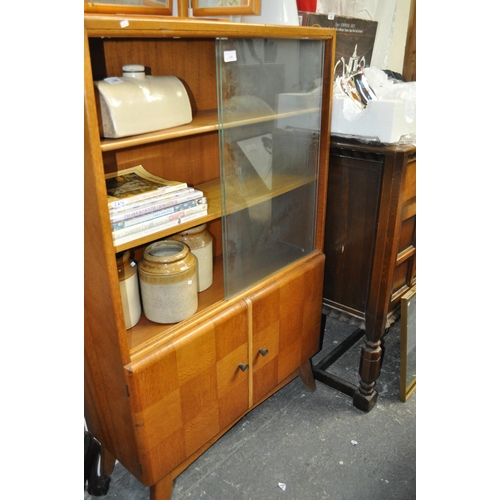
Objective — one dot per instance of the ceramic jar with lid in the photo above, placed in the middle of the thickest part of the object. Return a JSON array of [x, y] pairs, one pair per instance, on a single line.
[[129, 288], [168, 281], [200, 242]]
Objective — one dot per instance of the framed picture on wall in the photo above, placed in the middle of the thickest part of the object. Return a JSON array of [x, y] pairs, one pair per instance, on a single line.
[[225, 7], [158, 7]]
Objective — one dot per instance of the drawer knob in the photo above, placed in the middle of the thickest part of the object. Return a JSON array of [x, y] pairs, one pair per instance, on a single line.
[[263, 352], [243, 367]]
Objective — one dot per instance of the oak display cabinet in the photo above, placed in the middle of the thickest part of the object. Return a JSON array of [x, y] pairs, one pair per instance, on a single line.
[[157, 396]]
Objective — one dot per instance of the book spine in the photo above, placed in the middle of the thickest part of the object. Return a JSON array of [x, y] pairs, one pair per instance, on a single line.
[[149, 194], [157, 211], [158, 221], [155, 229], [158, 204], [147, 201]]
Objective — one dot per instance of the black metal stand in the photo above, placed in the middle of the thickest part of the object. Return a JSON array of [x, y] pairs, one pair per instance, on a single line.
[[319, 370], [364, 402], [96, 484]]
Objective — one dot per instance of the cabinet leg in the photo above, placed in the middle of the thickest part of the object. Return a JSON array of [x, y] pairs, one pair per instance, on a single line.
[[162, 489], [307, 376], [107, 462], [365, 397]]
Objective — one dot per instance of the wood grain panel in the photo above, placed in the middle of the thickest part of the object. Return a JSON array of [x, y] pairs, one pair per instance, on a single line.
[[286, 315], [189, 159], [264, 379], [191, 390], [107, 408], [266, 338], [193, 64], [407, 234], [195, 352], [290, 358], [165, 417], [401, 276], [409, 183], [351, 225], [410, 58]]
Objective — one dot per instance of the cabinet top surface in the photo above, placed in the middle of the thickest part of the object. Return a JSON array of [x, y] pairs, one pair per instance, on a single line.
[[137, 25], [348, 143]]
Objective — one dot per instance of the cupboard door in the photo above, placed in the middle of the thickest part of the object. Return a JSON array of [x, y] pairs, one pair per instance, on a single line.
[[191, 390], [354, 186], [285, 324]]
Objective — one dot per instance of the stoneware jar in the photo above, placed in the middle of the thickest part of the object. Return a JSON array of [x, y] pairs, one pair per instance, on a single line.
[[199, 240], [169, 288], [129, 288]]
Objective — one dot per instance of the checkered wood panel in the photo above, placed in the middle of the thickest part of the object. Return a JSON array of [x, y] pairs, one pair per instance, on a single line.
[[286, 320], [190, 391]]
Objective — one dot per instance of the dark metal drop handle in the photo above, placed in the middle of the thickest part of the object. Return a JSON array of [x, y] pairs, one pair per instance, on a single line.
[[263, 352], [243, 367]]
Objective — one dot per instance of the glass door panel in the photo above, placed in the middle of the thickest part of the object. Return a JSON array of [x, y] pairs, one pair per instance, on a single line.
[[269, 96]]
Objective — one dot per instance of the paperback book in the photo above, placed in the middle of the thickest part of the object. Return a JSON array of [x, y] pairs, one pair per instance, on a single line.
[[154, 213], [136, 183], [163, 201], [164, 225], [160, 204]]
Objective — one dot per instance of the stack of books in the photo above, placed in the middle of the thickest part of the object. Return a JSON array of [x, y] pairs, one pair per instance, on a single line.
[[141, 204]]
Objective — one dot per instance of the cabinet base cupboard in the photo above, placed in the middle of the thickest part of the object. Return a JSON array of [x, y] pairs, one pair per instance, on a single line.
[[158, 395]]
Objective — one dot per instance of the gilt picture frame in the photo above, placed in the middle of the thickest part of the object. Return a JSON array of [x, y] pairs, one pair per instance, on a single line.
[[225, 7], [153, 7], [408, 356]]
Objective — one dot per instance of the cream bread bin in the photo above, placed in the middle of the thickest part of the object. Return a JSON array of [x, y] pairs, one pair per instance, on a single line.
[[136, 103]]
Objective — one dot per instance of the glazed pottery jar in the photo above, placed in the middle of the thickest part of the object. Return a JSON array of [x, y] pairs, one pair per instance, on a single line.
[[129, 288], [169, 285], [199, 240]]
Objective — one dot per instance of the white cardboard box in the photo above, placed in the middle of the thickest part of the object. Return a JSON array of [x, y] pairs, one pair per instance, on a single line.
[[383, 120]]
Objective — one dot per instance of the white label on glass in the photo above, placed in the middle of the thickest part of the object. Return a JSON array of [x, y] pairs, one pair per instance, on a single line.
[[113, 80], [229, 55]]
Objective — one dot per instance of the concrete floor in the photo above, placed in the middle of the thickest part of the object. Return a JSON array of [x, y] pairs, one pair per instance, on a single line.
[[316, 445]]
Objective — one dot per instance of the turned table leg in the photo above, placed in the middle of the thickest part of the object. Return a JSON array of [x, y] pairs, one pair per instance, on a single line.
[[369, 370], [162, 489]]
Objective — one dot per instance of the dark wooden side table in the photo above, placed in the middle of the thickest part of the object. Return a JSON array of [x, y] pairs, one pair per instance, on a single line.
[[370, 247]]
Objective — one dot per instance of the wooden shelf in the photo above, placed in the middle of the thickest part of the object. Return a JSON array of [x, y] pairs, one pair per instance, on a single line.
[[202, 123], [251, 193]]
